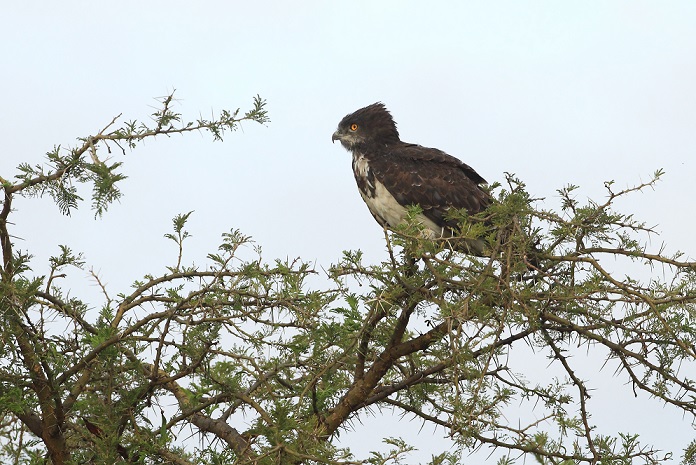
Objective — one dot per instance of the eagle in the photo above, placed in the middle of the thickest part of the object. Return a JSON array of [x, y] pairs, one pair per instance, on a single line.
[[393, 175]]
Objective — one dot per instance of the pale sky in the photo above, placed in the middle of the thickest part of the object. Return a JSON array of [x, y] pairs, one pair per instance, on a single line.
[[556, 92]]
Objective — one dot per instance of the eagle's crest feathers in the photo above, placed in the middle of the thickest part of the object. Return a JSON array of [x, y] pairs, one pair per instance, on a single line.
[[371, 125]]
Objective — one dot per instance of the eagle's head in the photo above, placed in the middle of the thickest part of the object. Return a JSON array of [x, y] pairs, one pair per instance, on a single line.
[[369, 126]]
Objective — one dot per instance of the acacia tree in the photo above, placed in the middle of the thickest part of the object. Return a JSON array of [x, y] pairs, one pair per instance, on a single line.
[[242, 361]]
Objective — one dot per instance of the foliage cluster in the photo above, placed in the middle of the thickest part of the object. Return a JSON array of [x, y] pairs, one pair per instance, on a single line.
[[243, 361]]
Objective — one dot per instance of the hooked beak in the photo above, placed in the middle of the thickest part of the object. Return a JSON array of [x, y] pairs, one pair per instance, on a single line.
[[336, 136]]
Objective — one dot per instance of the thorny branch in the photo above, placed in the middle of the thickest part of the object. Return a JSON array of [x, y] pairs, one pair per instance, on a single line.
[[262, 368]]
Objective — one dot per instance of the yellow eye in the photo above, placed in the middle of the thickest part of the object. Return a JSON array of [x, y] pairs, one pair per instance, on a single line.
[[353, 127]]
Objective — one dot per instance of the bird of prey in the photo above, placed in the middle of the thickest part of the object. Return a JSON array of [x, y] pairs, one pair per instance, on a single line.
[[393, 175]]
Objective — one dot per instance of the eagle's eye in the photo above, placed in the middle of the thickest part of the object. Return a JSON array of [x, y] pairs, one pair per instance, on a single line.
[[353, 127]]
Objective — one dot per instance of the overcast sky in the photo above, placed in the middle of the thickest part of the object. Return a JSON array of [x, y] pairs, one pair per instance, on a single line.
[[556, 92]]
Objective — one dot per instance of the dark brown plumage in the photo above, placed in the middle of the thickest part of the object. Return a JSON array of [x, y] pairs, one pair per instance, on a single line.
[[393, 175]]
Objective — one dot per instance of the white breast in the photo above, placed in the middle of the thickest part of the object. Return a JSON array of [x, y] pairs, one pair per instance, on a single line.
[[382, 204]]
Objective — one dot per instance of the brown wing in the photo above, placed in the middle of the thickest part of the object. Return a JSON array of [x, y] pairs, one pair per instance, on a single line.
[[430, 178]]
